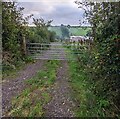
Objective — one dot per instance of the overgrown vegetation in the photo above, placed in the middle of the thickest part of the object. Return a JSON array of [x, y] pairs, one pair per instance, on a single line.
[[30, 102], [40, 32], [88, 104], [82, 95], [16, 33], [99, 67], [94, 78], [14, 29]]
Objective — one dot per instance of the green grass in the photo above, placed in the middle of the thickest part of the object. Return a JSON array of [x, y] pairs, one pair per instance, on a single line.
[[81, 94], [79, 31], [31, 101]]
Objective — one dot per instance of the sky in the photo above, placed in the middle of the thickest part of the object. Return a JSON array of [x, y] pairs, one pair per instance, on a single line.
[[60, 11]]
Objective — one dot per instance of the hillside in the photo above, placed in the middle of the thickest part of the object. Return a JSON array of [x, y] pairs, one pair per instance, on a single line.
[[77, 31]]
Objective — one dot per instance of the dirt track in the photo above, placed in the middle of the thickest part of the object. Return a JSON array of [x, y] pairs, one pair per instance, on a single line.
[[61, 104], [15, 86]]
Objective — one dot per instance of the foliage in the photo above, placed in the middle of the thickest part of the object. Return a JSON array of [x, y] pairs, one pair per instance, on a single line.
[[52, 36], [14, 28], [34, 36], [88, 104], [65, 31], [15, 32], [28, 59], [105, 53], [41, 33], [83, 97]]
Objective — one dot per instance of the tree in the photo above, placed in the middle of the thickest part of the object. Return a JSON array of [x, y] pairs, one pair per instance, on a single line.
[[52, 35], [14, 31], [65, 32], [42, 30], [68, 26]]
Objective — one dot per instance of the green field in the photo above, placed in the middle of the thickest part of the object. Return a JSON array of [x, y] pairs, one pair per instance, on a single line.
[[79, 31], [76, 31]]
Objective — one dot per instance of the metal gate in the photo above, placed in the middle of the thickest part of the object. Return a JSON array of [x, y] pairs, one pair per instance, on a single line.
[[52, 51]]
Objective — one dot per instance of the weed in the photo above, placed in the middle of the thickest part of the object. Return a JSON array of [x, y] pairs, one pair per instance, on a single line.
[[36, 111]]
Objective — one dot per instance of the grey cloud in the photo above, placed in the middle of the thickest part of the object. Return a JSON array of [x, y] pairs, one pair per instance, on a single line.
[[31, 7], [65, 15], [61, 14]]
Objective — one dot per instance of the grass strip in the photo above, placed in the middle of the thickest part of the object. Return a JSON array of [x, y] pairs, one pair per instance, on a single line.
[[84, 98]]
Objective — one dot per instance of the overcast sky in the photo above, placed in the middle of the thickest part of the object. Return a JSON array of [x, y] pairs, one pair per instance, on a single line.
[[60, 11]]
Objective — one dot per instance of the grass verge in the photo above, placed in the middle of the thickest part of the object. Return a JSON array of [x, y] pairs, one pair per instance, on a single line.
[[81, 94], [87, 103], [31, 101], [80, 81]]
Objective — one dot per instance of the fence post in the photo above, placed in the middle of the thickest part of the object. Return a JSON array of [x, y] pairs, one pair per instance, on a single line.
[[24, 46], [41, 47]]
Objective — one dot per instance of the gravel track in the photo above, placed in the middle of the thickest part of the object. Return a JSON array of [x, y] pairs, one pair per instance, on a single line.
[[61, 104], [15, 86]]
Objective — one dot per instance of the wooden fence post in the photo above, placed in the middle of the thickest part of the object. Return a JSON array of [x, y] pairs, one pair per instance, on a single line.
[[24, 46]]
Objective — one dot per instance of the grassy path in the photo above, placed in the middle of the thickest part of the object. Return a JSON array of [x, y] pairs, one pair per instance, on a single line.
[[47, 94]]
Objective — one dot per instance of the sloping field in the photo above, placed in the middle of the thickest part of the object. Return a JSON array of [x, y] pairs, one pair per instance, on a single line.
[[79, 31], [76, 31]]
